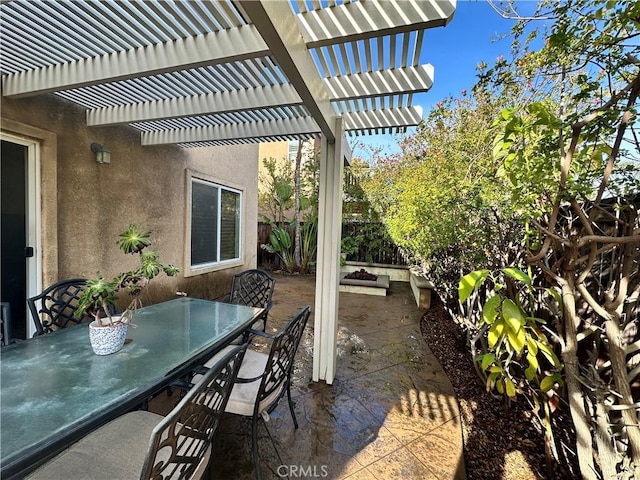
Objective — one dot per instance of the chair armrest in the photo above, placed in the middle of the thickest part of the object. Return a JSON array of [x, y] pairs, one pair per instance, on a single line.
[[260, 333], [200, 370], [183, 385], [223, 299], [249, 380]]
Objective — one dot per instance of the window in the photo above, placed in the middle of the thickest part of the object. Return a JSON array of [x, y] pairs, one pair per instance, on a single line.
[[293, 150], [215, 225]]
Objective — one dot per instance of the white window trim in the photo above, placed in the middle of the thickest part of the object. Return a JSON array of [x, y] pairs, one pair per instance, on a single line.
[[189, 270]]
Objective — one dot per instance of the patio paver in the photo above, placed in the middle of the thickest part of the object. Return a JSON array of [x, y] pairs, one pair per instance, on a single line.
[[391, 412]]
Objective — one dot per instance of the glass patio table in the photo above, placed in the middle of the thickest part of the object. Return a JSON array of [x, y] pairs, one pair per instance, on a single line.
[[54, 389]]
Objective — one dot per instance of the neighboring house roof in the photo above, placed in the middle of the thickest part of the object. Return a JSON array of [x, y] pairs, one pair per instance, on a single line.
[[199, 73]]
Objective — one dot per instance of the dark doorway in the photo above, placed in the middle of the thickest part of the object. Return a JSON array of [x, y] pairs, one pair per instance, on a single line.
[[13, 233]]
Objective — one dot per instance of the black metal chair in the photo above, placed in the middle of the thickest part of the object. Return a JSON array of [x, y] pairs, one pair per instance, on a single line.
[[55, 306], [146, 445], [5, 318], [264, 378], [253, 288]]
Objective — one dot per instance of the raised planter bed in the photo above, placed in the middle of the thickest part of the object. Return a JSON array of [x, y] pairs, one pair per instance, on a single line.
[[420, 286], [396, 273], [366, 287]]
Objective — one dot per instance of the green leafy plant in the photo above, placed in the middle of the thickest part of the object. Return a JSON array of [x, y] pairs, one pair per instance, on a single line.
[[280, 243], [517, 357], [349, 245], [99, 296], [133, 240], [309, 244]]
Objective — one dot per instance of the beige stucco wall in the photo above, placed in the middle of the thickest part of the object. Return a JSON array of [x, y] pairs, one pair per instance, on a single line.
[[277, 150], [85, 204]]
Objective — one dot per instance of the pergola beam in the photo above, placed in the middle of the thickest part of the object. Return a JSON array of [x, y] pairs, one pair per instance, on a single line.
[[235, 131], [367, 120], [208, 49], [277, 24]]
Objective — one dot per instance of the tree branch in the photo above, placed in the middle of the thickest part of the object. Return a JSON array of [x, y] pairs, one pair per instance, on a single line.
[[593, 247], [607, 239], [597, 308], [622, 127], [547, 241]]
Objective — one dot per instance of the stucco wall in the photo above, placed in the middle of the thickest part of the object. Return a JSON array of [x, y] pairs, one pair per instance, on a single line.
[[144, 185]]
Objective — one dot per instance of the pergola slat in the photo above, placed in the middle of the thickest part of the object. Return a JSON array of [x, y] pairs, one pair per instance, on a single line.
[[378, 17], [237, 100], [354, 121], [208, 49]]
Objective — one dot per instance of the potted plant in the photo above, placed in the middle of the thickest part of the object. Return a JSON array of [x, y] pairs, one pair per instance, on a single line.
[[107, 331]]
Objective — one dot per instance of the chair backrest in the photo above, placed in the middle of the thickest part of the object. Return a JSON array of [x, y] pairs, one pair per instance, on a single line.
[[280, 362], [179, 443], [57, 304], [253, 288], [5, 318]]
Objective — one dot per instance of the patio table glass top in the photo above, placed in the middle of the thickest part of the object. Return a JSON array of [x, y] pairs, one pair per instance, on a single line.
[[54, 389]]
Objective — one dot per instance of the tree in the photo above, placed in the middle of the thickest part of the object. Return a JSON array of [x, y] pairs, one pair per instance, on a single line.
[[296, 208], [572, 157], [552, 186], [365, 237], [277, 196], [291, 187], [439, 198]]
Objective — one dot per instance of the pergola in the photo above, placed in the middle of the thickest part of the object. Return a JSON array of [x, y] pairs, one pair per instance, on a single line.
[[209, 73]]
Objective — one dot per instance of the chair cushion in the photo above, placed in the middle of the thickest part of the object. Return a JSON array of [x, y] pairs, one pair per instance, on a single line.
[[116, 451], [243, 396]]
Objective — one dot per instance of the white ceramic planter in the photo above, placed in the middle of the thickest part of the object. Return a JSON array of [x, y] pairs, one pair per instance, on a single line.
[[107, 339]]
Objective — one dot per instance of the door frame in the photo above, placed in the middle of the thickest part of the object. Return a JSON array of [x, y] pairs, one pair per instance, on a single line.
[[42, 204], [33, 265]]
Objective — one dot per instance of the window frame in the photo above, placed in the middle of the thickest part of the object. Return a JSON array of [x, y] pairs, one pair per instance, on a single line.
[[200, 269]]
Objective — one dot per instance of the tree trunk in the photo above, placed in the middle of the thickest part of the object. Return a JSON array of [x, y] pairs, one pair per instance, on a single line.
[[604, 442], [576, 401], [617, 354], [296, 206]]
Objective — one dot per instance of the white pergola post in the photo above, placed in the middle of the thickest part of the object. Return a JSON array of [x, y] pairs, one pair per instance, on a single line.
[[328, 266]]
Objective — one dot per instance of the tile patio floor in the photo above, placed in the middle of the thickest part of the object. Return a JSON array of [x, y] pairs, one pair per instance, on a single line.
[[390, 414]]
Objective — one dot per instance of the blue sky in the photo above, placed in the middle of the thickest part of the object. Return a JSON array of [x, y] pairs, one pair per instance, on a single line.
[[455, 51]]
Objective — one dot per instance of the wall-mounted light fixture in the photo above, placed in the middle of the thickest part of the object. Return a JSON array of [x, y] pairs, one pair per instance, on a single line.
[[102, 154]]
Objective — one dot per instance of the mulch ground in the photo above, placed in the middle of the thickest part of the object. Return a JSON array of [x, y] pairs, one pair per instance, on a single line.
[[501, 442]]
